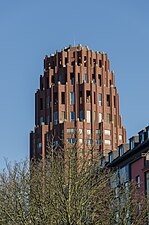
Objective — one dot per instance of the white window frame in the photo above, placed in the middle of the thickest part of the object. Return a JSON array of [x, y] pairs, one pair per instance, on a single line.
[[100, 117], [97, 131], [100, 99], [80, 131], [120, 137], [72, 98], [88, 116], [88, 132], [108, 142], [107, 132]]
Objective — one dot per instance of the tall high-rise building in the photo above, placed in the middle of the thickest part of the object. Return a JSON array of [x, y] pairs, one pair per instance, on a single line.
[[77, 102]]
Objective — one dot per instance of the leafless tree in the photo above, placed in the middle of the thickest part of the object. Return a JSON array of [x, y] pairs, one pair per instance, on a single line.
[[68, 189]]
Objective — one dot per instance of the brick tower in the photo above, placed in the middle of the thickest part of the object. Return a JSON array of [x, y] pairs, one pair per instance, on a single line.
[[77, 102]]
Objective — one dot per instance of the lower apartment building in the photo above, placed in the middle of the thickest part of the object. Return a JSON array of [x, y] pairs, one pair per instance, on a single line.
[[131, 163]]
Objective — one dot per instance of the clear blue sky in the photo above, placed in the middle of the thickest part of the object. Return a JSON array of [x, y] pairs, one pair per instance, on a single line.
[[31, 29]]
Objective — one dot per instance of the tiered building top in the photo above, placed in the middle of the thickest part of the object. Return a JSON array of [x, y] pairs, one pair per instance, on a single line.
[[77, 103]]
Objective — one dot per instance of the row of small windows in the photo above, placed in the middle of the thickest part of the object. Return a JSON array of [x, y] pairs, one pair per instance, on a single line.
[[81, 117], [76, 57], [72, 99], [88, 141], [63, 78], [88, 131]]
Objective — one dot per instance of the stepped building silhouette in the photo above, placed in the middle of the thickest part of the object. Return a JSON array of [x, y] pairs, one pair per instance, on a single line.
[[77, 103]]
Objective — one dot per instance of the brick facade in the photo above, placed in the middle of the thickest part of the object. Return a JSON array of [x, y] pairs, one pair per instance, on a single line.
[[77, 102]]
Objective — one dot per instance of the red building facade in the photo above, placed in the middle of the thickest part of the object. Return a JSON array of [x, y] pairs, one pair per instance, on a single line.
[[77, 103]]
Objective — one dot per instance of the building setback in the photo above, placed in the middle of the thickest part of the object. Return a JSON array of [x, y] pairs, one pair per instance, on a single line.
[[77, 103]]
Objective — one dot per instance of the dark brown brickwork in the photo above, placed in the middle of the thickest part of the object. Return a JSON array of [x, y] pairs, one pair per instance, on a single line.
[[77, 102]]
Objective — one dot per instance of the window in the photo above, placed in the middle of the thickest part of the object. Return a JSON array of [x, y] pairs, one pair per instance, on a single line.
[[98, 131], [100, 117], [78, 77], [100, 82], [121, 150], [62, 134], [66, 61], [107, 142], [71, 130], [53, 79], [94, 116], [115, 120], [55, 132], [61, 78], [131, 144], [88, 115], [85, 77], [55, 98], [88, 132], [39, 145], [138, 181], [100, 63], [117, 216], [72, 116], [94, 61], [141, 137], [124, 174], [63, 98], [89, 141], [94, 98], [48, 136], [72, 78], [120, 137], [48, 120], [80, 97], [47, 82], [84, 60], [55, 118], [116, 191], [108, 100], [98, 142], [88, 96], [103, 161], [71, 140], [147, 132], [81, 115], [108, 118], [94, 78], [81, 141], [41, 120], [114, 101], [56, 143], [105, 66], [80, 131], [110, 157], [63, 116], [47, 102], [72, 98], [41, 103], [107, 132], [100, 99]]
